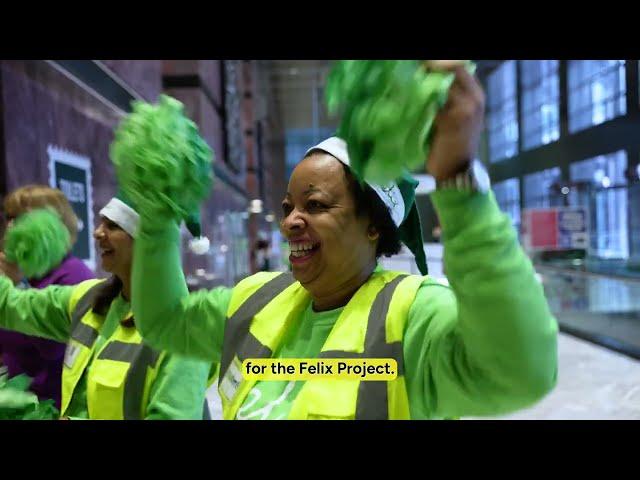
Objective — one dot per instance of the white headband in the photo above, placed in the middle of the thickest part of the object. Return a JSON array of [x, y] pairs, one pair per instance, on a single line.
[[122, 214], [389, 194]]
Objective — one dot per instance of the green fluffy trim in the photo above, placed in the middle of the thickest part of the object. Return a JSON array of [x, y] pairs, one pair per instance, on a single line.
[[388, 108], [17, 403], [37, 242], [162, 163]]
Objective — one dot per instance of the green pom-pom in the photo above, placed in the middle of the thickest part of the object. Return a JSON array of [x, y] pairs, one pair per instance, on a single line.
[[37, 242], [17, 403], [14, 395], [162, 163], [388, 108]]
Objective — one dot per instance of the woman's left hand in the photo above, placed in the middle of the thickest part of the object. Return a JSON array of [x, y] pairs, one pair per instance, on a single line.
[[9, 269], [458, 125]]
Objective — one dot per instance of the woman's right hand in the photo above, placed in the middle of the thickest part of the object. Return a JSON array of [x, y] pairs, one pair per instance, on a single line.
[[9, 269], [458, 126]]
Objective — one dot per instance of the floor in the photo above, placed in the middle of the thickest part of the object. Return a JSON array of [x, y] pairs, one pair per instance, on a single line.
[[594, 383]]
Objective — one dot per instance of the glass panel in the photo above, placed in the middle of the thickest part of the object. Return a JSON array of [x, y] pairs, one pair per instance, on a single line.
[[539, 86], [507, 195], [600, 184], [538, 192], [502, 113], [597, 92]]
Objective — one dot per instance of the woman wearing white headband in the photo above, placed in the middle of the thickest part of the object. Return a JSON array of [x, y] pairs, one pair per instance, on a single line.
[[485, 346], [109, 373]]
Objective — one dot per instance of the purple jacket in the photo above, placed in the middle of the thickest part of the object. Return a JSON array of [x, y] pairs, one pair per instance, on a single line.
[[37, 357]]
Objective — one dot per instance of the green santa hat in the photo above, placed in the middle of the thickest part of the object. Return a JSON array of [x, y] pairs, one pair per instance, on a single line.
[[398, 196], [198, 244], [164, 165], [120, 210]]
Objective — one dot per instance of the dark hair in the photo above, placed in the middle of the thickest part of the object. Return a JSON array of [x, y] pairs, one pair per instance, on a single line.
[[368, 203], [108, 291]]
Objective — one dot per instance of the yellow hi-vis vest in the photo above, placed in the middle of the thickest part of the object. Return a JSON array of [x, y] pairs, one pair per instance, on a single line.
[[264, 307], [120, 373]]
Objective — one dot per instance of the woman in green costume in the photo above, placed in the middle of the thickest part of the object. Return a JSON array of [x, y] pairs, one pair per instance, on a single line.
[[109, 372], [486, 345]]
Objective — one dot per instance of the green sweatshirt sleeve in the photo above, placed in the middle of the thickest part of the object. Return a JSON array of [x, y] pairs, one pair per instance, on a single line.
[[488, 344], [167, 316], [38, 312], [179, 390]]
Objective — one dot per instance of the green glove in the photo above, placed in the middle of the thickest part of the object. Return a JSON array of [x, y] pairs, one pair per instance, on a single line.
[[37, 242], [17, 403], [388, 108], [162, 163]]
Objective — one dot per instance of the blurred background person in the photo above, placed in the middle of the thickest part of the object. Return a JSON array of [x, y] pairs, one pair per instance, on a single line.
[[39, 358], [262, 251]]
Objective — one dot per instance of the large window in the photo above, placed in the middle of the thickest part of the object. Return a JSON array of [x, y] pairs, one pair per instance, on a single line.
[[502, 113], [540, 87], [507, 195], [539, 191], [597, 92], [600, 185]]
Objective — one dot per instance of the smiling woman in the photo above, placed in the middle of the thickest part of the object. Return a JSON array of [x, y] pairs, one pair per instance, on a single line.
[[108, 371], [334, 249], [336, 229], [473, 349], [39, 358], [114, 236]]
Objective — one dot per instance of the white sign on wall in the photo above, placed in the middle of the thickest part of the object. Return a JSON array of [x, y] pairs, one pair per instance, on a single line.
[[71, 173]]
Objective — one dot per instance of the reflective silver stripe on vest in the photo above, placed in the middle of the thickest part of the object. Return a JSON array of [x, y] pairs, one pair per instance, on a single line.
[[373, 403], [85, 304], [140, 356], [206, 413], [237, 338], [84, 334], [81, 332]]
